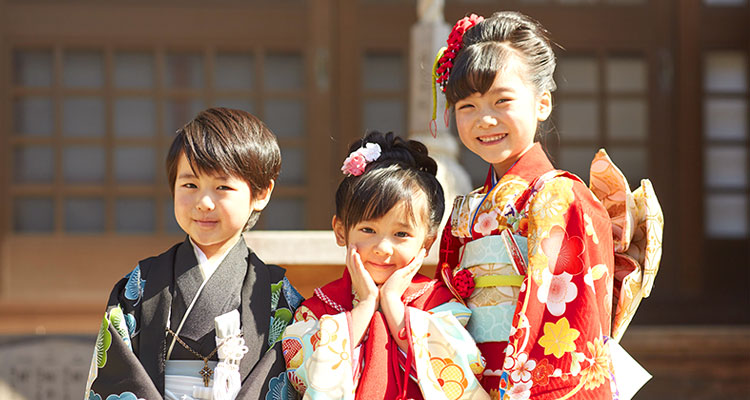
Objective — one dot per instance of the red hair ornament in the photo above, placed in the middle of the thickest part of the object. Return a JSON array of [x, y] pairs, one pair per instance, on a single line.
[[441, 69]]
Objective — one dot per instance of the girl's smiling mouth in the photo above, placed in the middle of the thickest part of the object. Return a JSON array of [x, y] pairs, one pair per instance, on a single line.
[[491, 139], [381, 266]]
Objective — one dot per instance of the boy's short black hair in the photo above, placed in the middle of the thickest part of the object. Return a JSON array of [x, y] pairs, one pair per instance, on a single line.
[[231, 142]]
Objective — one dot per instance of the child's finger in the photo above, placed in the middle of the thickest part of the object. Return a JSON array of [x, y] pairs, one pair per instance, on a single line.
[[349, 258], [416, 263]]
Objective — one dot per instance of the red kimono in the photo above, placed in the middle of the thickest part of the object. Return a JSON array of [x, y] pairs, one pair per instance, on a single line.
[[323, 363], [542, 330]]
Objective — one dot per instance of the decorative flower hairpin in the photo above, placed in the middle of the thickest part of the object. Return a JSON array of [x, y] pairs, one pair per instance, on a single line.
[[441, 68], [455, 42], [358, 159]]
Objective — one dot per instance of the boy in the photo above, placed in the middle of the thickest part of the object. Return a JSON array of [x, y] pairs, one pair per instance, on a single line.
[[202, 320]]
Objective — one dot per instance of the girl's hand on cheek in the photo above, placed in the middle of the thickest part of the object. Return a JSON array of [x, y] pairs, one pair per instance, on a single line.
[[362, 282], [397, 283]]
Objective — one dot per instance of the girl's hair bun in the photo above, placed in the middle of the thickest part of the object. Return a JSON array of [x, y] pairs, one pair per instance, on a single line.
[[396, 150], [402, 168]]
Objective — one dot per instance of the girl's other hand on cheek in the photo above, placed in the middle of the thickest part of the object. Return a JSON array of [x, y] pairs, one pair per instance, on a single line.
[[397, 283], [362, 282]]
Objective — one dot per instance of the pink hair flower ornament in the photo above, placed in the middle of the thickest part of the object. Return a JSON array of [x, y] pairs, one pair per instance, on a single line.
[[357, 161]]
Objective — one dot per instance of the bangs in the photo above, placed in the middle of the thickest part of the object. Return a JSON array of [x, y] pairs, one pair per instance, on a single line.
[[475, 68], [208, 154], [374, 194]]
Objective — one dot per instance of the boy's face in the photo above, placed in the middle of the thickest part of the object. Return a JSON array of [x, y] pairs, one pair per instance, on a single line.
[[390, 242], [211, 208]]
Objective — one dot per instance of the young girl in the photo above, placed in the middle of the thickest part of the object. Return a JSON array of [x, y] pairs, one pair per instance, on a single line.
[[531, 252], [383, 331]]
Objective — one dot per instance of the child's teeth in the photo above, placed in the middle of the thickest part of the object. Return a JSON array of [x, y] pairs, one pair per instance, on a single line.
[[492, 138]]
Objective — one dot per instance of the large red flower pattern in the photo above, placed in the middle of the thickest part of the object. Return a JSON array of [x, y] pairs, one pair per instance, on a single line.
[[563, 252]]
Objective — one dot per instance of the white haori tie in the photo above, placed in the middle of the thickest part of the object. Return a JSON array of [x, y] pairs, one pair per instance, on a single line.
[[231, 345]]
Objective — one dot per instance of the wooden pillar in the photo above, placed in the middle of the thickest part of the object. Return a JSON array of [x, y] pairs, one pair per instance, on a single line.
[[688, 97]]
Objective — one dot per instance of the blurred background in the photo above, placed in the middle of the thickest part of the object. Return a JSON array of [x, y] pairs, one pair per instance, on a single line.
[[91, 93]]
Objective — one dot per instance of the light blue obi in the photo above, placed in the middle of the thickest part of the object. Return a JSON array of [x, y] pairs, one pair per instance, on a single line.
[[498, 283]]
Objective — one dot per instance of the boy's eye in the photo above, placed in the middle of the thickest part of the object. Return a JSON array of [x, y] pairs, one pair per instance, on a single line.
[[464, 106], [224, 187], [367, 230], [402, 234], [504, 100], [189, 185]]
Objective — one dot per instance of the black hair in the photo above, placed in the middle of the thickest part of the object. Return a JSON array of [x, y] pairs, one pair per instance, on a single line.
[[232, 142], [488, 47], [403, 167]]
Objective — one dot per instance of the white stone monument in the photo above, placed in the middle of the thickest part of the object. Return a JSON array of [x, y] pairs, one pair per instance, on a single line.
[[428, 35]]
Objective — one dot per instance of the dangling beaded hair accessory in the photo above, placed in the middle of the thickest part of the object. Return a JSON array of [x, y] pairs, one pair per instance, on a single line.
[[358, 159], [441, 69]]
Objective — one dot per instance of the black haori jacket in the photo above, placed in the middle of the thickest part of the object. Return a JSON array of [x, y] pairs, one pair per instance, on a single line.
[[130, 355]]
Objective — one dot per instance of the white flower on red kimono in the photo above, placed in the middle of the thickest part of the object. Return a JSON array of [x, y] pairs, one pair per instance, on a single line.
[[519, 391], [556, 291], [486, 223], [563, 252], [510, 362], [524, 367]]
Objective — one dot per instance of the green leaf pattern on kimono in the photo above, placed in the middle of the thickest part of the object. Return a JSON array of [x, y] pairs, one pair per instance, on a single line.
[[117, 319], [279, 322], [103, 341], [275, 293]]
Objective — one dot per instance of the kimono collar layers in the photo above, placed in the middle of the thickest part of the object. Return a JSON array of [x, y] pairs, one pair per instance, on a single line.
[[241, 281], [380, 352], [532, 164]]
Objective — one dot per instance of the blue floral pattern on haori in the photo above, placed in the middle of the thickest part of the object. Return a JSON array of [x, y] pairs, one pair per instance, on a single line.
[[93, 396], [122, 396], [293, 298], [131, 323], [279, 388], [134, 286]]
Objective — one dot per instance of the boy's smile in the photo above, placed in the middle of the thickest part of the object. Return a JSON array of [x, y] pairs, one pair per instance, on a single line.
[[211, 208]]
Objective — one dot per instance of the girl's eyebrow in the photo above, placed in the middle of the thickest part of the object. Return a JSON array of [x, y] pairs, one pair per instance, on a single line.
[[404, 225], [500, 90]]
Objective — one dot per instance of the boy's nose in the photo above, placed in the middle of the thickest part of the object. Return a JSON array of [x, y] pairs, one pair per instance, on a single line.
[[205, 203]]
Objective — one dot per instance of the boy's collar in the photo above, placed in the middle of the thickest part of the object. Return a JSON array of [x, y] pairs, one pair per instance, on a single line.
[[208, 267]]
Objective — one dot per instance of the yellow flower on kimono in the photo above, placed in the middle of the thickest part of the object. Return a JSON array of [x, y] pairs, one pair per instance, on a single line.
[[556, 291], [598, 371], [558, 338]]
